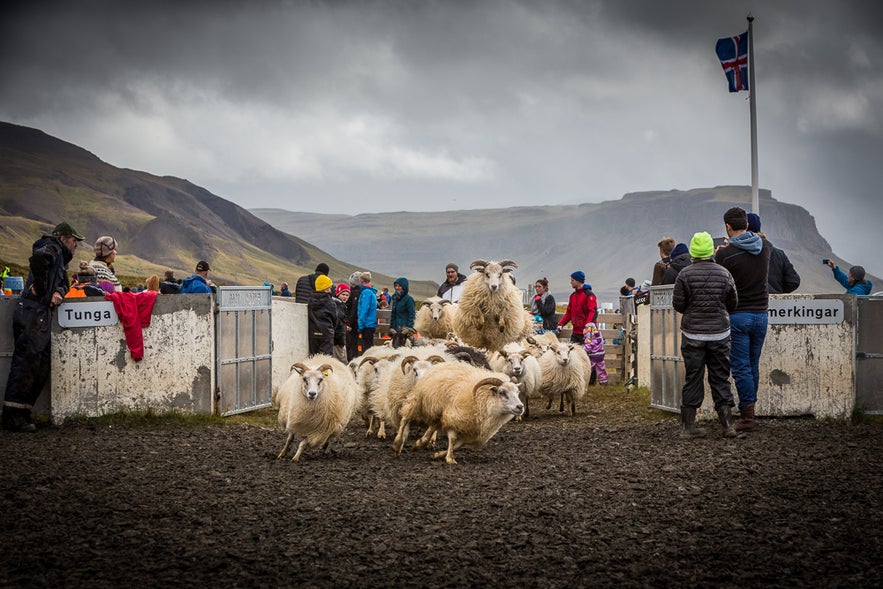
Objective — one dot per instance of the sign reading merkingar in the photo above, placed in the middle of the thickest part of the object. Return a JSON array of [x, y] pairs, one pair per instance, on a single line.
[[805, 312], [87, 314]]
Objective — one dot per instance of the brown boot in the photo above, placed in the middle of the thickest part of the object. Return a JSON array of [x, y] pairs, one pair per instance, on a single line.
[[746, 418], [688, 422], [725, 414]]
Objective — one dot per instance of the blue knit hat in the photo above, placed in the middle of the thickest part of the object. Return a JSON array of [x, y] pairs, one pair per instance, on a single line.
[[579, 276], [753, 222], [679, 249]]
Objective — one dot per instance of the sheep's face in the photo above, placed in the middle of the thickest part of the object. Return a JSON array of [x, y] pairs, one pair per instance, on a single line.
[[507, 393], [562, 353], [493, 276], [420, 367], [313, 383], [435, 311], [516, 364]]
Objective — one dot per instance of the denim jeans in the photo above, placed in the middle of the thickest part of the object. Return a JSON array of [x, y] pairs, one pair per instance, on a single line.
[[747, 332]]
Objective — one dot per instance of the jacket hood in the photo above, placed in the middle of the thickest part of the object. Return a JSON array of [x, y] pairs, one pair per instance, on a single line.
[[403, 282], [748, 241], [192, 279]]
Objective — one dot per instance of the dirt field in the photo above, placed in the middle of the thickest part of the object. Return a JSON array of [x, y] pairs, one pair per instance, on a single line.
[[609, 498]]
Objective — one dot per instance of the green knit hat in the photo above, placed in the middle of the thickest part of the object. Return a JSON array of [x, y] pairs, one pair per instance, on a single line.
[[702, 245]]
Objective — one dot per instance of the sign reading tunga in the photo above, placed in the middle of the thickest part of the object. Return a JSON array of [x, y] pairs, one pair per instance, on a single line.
[[805, 312], [87, 314]]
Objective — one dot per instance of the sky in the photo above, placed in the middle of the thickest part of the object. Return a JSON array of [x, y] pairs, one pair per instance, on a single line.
[[410, 105]]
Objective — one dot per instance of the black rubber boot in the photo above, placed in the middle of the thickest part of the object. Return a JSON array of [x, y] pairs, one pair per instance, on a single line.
[[688, 423], [725, 414], [18, 420]]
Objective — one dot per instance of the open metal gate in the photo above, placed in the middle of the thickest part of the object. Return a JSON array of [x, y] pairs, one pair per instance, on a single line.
[[869, 355], [244, 348], [666, 362]]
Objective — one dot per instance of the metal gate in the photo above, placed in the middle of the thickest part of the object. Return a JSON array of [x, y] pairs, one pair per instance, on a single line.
[[244, 348], [666, 363], [869, 355]]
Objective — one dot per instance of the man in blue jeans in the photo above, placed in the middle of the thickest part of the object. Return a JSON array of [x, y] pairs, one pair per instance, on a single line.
[[747, 257]]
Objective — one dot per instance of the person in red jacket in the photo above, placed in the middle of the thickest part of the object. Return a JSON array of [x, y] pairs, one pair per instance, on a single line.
[[582, 307]]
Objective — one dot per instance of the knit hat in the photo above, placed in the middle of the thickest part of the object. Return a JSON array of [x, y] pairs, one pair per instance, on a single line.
[[679, 249], [753, 222], [85, 270], [323, 283], [858, 273], [579, 276], [202, 266], [340, 288], [354, 278], [64, 229], [702, 245], [322, 268], [453, 266], [104, 245]]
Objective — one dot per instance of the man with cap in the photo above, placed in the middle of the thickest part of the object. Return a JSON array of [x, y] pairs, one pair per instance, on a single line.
[[322, 317], [854, 282], [198, 283], [105, 255], [705, 294], [747, 257], [783, 278], [582, 307], [46, 287], [304, 287], [452, 287]]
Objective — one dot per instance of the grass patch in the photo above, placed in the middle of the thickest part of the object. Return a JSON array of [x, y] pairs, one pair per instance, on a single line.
[[860, 417]]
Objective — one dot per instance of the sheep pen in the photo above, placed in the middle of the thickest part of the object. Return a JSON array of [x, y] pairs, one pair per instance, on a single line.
[[608, 498]]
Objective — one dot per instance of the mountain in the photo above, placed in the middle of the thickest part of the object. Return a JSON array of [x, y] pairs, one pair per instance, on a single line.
[[610, 241], [160, 222]]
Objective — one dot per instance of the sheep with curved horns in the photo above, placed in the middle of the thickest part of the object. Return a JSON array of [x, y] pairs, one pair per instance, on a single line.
[[369, 375], [435, 318], [468, 404], [522, 368], [490, 313], [317, 402], [565, 368], [397, 384]]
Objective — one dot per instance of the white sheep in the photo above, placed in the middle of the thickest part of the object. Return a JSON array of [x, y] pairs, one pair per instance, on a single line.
[[467, 403], [490, 313], [317, 402], [523, 368], [396, 384], [434, 319], [565, 368], [369, 371]]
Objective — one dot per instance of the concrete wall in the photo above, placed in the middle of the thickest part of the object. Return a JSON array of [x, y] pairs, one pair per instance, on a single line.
[[805, 369], [290, 342]]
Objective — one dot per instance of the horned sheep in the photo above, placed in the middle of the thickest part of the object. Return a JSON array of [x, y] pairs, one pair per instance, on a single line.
[[565, 368], [467, 403], [317, 402], [523, 368], [435, 318], [490, 313]]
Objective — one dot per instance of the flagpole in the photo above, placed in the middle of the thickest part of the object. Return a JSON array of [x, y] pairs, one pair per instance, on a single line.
[[752, 105]]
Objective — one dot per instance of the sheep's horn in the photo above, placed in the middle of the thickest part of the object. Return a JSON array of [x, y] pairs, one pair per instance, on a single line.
[[509, 264], [367, 359], [408, 360], [435, 359], [299, 367], [478, 264], [446, 302], [493, 381], [531, 340], [325, 367]]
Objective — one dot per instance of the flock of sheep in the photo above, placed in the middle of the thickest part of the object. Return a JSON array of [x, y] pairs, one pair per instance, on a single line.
[[478, 369]]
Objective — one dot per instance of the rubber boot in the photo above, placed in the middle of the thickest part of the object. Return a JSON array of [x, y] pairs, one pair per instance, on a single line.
[[746, 418], [18, 420], [688, 421], [725, 414]]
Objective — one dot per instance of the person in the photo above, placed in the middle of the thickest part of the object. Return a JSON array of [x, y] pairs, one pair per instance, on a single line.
[[747, 257], [783, 278], [105, 255], [45, 288], [283, 291], [543, 305], [854, 282], [169, 285], [85, 283], [367, 310], [152, 283], [665, 245], [198, 283], [352, 316], [452, 287], [322, 318], [582, 307], [384, 294], [341, 296], [303, 288], [705, 295], [630, 288], [401, 317], [680, 259], [594, 347]]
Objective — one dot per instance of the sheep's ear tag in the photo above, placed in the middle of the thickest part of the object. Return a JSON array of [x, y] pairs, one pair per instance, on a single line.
[[326, 372]]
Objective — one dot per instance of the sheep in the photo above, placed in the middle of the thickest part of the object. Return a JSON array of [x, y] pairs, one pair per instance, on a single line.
[[369, 373], [396, 384], [317, 402], [523, 368], [467, 403], [433, 320], [565, 368], [468, 355], [490, 313]]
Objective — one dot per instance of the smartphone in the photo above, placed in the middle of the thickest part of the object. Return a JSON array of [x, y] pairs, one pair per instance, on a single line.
[[825, 261], [719, 241]]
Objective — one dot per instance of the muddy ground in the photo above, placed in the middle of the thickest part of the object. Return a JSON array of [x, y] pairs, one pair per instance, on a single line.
[[609, 498]]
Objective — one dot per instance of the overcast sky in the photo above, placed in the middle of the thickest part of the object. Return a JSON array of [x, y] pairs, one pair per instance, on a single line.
[[352, 107]]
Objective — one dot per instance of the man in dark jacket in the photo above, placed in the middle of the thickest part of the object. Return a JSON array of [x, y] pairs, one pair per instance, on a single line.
[[304, 287], [705, 294], [322, 316], [46, 287], [680, 259], [401, 318], [783, 278], [665, 245]]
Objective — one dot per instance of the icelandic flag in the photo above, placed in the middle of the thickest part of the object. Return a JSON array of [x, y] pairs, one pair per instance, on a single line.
[[733, 53]]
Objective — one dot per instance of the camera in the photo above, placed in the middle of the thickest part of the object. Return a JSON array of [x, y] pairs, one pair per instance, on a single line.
[[825, 261]]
